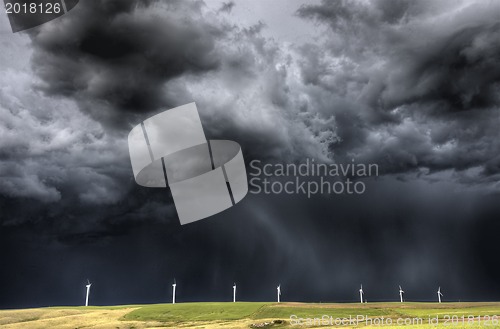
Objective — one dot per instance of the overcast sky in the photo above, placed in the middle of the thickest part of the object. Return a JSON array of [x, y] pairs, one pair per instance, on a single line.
[[413, 86]]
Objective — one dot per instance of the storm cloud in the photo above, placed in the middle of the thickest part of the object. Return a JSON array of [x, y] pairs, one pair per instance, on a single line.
[[416, 83], [115, 57]]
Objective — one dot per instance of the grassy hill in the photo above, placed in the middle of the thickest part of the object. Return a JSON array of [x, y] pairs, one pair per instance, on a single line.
[[259, 315]]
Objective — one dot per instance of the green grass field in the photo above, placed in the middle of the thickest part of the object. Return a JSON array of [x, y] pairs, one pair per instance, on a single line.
[[259, 315]]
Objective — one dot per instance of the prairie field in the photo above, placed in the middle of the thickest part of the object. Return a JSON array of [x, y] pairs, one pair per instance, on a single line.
[[258, 315]]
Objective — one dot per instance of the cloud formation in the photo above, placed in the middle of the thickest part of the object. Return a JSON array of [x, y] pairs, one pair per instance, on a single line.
[[416, 83], [412, 87], [114, 57]]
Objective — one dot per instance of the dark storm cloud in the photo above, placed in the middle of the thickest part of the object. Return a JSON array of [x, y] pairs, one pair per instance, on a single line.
[[114, 57], [122, 60], [414, 84], [226, 7], [374, 89], [60, 168], [69, 162]]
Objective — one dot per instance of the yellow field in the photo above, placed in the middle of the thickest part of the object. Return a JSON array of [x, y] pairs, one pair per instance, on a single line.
[[66, 318], [98, 319]]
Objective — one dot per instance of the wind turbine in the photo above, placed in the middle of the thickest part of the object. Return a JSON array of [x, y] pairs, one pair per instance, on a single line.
[[279, 292], [439, 294], [401, 292], [174, 285], [361, 293], [88, 292], [234, 293]]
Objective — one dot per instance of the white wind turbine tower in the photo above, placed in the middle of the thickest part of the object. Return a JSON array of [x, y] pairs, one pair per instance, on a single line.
[[88, 292], [234, 293], [174, 285], [401, 292], [439, 294], [279, 292], [361, 293]]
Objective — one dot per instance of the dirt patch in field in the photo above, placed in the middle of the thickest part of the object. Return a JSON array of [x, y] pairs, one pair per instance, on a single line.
[[69, 319]]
